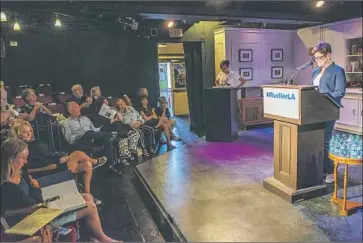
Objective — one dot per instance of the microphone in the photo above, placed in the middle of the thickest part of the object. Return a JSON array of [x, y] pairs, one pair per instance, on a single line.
[[299, 69], [305, 65]]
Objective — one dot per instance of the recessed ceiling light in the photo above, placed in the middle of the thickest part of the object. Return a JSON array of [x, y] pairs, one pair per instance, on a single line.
[[3, 17], [319, 4]]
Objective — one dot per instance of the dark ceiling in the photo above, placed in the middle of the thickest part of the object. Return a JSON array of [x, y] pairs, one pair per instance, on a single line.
[[288, 14]]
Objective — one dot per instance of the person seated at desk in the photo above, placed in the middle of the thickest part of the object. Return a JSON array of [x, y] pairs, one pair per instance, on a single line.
[[20, 190], [42, 155]]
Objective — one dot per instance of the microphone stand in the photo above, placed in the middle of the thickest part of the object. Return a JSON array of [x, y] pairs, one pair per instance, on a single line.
[[290, 81], [296, 71]]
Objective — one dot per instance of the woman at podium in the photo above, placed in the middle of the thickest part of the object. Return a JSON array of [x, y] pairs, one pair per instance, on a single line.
[[232, 79], [330, 78]]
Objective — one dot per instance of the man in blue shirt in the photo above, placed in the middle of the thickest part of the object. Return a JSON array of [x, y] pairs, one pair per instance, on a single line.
[[330, 78]]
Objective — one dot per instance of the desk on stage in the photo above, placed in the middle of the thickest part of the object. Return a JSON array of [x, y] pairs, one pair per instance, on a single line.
[[220, 114]]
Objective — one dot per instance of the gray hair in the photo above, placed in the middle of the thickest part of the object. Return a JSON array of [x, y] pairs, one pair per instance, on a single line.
[[26, 92]]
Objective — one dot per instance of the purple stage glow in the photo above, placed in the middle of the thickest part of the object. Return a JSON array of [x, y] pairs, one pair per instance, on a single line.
[[244, 147]]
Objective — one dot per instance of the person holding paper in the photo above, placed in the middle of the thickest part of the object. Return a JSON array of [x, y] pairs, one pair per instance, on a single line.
[[330, 78], [230, 78], [19, 190]]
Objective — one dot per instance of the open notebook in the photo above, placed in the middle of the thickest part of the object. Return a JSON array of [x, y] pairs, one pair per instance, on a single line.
[[33, 222], [60, 192]]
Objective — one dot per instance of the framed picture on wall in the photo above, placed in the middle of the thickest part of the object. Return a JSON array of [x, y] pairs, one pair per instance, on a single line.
[[277, 55], [245, 55], [277, 72], [246, 73]]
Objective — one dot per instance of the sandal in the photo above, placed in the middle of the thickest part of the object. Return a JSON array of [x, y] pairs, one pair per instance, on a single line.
[[100, 161], [115, 171], [125, 162], [146, 153]]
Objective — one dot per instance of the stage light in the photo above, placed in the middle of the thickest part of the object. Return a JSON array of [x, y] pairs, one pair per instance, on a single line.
[[16, 26], [319, 4], [170, 24], [3, 17], [57, 23]]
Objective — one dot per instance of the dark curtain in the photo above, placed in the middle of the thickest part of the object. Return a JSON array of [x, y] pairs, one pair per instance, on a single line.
[[193, 64]]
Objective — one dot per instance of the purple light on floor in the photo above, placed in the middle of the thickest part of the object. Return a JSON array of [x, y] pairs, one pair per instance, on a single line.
[[230, 151]]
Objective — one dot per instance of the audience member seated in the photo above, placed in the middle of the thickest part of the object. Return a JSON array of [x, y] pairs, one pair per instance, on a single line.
[[79, 97], [41, 155], [20, 190], [140, 93], [32, 107], [128, 115], [4, 95], [163, 112], [127, 100], [81, 134], [148, 114], [95, 106]]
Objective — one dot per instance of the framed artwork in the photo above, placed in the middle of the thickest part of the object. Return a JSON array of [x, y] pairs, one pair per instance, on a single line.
[[277, 55], [180, 80], [245, 55], [246, 73], [277, 72]]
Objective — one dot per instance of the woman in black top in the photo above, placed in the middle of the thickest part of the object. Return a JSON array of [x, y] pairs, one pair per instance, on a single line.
[[42, 155], [19, 190], [32, 107], [148, 114]]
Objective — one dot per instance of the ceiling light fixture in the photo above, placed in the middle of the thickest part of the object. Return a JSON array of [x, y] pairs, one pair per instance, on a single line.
[[3, 17], [57, 22], [319, 4], [16, 26], [170, 24]]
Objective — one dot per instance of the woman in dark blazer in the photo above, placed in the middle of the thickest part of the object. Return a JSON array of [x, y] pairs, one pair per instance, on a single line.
[[330, 78]]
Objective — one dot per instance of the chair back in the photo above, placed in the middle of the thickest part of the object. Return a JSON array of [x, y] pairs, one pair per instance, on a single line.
[[44, 89]]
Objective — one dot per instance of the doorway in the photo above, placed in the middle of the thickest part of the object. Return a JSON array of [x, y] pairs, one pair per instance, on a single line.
[[172, 78]]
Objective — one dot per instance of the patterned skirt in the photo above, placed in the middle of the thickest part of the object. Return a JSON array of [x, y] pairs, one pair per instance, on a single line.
[[128, 145]]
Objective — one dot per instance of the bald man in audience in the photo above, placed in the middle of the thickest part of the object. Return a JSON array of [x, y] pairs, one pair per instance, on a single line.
[[82, 135]]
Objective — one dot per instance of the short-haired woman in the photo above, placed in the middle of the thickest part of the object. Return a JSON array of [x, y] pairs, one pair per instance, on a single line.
[[20, 190], [32, 107], [330, 78]]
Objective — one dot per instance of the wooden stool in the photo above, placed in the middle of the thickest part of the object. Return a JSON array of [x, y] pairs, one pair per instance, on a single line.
[[344, 204]]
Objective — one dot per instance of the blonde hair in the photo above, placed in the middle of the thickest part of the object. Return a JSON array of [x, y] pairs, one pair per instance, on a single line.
[[2, 85], [15, 131], [93, 90], [76, 86], [10, 150]]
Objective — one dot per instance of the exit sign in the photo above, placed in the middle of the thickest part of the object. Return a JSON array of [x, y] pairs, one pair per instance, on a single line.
[[175, 33]]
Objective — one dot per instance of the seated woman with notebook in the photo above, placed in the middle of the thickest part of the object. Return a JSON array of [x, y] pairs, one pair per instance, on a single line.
[[41, 155], [19, 190]]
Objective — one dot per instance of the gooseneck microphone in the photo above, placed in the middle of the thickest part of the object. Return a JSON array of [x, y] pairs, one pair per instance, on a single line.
[[299, 69], [305, 65]]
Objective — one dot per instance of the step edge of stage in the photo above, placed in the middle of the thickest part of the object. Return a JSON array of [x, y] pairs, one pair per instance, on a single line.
[[289, 194], [171, 233]]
